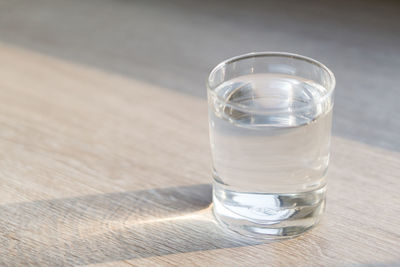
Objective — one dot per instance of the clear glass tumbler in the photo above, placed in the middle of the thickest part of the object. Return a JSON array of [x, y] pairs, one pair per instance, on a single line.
[[270, 128]]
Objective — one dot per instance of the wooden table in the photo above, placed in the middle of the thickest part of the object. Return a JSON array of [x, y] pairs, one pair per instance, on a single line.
[[97, 168]]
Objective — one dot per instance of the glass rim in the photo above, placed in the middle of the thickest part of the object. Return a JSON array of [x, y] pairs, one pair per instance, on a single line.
[[234, 59]]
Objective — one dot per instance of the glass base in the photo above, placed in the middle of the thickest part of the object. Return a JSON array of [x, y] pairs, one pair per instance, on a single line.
[[268, 216]]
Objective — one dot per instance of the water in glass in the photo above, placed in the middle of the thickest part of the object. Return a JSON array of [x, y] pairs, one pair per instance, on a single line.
[[270, 139]]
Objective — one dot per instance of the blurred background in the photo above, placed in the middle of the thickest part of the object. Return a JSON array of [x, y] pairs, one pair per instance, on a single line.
[[173, 44]]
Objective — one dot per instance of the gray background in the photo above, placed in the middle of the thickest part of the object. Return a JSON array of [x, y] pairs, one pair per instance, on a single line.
[[174, 44]]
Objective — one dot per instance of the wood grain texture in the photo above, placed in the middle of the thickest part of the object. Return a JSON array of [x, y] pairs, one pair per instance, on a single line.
[[100, 169]]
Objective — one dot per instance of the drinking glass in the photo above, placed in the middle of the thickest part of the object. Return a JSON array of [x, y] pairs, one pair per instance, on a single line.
[[270, 129]]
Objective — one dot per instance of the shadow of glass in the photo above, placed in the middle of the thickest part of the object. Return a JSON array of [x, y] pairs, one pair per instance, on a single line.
[[112, 227]]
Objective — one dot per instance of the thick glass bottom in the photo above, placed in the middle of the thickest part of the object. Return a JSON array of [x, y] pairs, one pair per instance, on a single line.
[[266, 215]]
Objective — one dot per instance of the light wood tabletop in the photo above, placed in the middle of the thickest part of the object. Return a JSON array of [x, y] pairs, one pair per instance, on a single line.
[[97, 168]]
